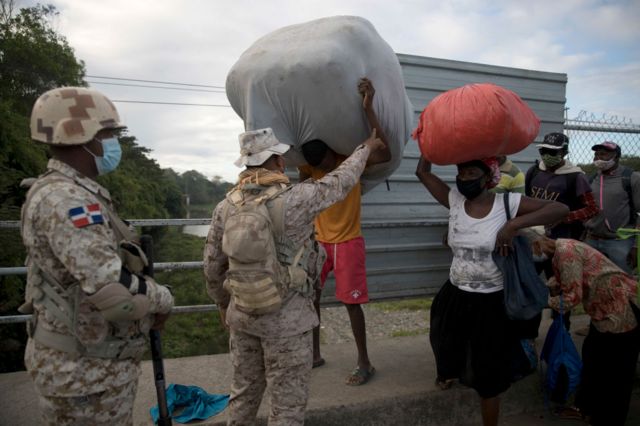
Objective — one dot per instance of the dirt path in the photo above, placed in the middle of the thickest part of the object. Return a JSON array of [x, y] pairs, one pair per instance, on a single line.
[[335, 326]]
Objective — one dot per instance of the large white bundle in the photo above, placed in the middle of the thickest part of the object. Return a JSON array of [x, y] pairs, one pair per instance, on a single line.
[[302, 82]]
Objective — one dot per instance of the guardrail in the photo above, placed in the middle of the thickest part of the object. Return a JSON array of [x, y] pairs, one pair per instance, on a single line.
[[171, 266]]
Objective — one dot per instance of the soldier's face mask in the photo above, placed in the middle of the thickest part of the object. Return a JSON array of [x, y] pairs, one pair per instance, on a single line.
[[111, 154]]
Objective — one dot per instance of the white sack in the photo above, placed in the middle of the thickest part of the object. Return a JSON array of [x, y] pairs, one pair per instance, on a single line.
[[302, 81]]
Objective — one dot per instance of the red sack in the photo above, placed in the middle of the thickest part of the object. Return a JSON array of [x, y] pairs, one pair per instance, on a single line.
[[474, 122]]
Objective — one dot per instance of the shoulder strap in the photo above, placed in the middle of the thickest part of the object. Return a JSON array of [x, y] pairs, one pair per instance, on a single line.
[[505, 198], [626, 184], [276, 210], [36, 187]]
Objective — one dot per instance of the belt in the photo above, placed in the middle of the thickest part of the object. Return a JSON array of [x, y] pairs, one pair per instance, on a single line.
[[111, 348]]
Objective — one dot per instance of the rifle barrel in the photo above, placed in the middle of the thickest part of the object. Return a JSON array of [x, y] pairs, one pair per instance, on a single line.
[[164, 419]]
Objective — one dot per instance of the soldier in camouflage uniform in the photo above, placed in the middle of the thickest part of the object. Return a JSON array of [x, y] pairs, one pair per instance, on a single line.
[[92, 306], [275, 348]]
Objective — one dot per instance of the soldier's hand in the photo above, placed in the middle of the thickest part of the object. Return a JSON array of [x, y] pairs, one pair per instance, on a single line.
[[374, 143], [159, 321], [366, 89]]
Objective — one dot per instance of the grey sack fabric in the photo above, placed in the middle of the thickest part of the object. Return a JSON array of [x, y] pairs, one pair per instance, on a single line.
[[302, 80]]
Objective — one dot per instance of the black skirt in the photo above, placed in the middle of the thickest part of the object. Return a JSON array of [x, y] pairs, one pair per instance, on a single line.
[[472, 339]]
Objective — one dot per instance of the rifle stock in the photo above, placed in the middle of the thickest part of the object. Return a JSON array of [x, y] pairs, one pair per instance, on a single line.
[[164, 419]]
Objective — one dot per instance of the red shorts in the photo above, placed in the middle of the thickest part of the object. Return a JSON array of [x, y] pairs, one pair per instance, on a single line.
[[347, 261]]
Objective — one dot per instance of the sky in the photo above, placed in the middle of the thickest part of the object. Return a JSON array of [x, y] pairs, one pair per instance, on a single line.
[[595, 42]]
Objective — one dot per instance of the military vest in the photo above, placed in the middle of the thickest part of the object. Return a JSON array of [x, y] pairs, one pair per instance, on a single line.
[[63, 302]]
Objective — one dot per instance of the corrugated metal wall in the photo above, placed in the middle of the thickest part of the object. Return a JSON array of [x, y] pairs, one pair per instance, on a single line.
[[403, 226]]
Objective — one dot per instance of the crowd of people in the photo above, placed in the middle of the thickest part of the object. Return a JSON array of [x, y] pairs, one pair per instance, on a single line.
[[271, 246]]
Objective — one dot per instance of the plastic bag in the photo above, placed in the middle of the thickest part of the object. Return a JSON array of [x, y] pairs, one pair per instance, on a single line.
[[525, 294], [473, 122], [564, 365], [302, 82]]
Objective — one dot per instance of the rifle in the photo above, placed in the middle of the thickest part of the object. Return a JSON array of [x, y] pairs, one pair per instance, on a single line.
[[164, 419]]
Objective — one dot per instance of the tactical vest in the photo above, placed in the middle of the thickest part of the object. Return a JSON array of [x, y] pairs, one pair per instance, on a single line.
[[264, 264], [63, 302]]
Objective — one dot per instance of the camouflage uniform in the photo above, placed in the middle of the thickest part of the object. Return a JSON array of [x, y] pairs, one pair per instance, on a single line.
[[274, 349], [75, 388]]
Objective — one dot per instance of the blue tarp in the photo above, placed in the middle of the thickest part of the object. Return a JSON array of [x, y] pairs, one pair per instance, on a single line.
[[192, 403]]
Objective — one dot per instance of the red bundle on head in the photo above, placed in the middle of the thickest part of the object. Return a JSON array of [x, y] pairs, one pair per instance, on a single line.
[[475, 121]]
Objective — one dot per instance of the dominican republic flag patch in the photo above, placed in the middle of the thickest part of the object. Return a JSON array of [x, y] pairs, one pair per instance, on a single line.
[[86, 215]]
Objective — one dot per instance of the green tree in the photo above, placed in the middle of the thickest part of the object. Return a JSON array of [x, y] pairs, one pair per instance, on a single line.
[[33, 59], [140, 188]]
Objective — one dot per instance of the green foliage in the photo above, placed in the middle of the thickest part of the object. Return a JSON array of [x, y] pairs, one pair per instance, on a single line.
[[193, 335], [419, 304], [405, 333], [631, 161], [140, 188], [188, 334], [202, 210], [12, 336], [33, 59], [202, 191]]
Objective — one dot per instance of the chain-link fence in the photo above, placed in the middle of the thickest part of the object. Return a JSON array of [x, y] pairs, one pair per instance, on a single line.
[[587, 130]]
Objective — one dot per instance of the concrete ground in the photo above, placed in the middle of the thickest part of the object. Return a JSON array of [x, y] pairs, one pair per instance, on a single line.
[[401, 393]]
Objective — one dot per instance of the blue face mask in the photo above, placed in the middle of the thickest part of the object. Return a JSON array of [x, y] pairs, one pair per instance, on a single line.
[[111, 154]]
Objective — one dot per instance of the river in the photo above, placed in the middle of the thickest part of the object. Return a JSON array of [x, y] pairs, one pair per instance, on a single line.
[[197, 230]]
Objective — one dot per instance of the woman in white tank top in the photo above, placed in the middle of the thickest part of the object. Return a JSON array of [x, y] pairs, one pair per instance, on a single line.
[[470, 333]]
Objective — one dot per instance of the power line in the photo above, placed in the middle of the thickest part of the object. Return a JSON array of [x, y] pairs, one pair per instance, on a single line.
[[156, 87], [154, 81], [167, 103]]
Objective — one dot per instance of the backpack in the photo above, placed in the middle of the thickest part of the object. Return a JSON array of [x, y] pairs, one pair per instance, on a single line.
[[253, 225], [626, 185]]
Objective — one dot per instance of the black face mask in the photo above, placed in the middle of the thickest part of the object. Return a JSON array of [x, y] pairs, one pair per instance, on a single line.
[[471, 188]]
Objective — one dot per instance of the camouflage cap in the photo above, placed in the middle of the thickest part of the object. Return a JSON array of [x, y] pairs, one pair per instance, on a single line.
[[256, 146], [72, 116]]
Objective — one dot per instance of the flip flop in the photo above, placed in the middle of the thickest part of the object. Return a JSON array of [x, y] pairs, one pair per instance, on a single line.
[[444, 384], [360, 376], [569, 413], [318, 363]]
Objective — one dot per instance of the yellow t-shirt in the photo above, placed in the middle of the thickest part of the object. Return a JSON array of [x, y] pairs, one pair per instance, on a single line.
[[341, 221]]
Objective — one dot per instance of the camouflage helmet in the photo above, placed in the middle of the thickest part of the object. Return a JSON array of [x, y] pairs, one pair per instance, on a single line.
[[72, 116]]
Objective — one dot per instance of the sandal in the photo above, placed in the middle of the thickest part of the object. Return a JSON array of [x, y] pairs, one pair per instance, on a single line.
[[444, 384], [360, 376], [569, 413]]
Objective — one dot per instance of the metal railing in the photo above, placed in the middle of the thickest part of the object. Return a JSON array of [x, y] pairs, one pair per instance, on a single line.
[[172, 266]]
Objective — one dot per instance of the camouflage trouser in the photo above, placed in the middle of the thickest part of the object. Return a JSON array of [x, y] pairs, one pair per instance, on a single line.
[[284, 364], [114, 406]]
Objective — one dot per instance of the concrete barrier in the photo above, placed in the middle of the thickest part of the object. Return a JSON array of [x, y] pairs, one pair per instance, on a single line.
[[402, 392]]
